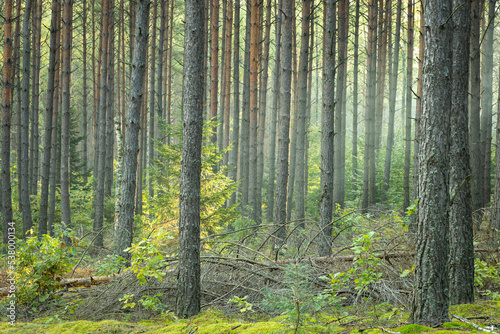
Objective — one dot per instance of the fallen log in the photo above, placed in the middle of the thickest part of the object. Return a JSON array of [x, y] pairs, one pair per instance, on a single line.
[[343, 258], [73, 282]]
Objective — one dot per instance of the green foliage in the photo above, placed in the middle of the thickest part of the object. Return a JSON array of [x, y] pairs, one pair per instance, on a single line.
[[297, 300], [364, 271], [109, 265], [41, 264], [216, 186], [242, 303], [487, 278]]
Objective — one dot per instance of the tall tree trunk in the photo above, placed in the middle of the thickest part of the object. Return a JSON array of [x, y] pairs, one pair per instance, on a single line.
[[370, 107], [430, 297], [355, 103], [327, 128], [393, 82], [124, 227], [67, 19], [487, 100], [300, 208], [110, 108], [55, 119], [152, 95], [262, 111], [254, 108], [475, 109], [381, 71], [161, 57], [274, 117], [7, 85], [221, 106], [189, 280], [85, 154], [170, 57], [16, 81], [283, 122], [227, 74], [35, 138], [24, 196], [338, 176], [49, 111], [409, 99], [461, 257], [233, 154], [245, 122], [101, 129], [214, 66]]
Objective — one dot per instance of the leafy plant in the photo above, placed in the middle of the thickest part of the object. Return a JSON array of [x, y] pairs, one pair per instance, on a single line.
[[487, 279], [242, 303]]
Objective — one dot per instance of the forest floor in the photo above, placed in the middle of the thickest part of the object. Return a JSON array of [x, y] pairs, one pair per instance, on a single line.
[[483, 316]]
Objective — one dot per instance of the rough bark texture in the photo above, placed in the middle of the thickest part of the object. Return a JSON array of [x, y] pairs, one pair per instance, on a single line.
[[461, 257], [284, 121], [355, 103], [254, 108], [301, 112], [233, 154], [101, 129], [393, 83], [189, 285], [7, 85], [409, 99], [24, 200], [369, 156], [274, 118], [124, 228], [475, 108], [431, 294], [487, 100], [67, 18], [49, 110], [327, 128]]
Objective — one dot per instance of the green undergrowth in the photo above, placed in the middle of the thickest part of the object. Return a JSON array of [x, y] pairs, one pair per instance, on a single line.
[[380, 319]]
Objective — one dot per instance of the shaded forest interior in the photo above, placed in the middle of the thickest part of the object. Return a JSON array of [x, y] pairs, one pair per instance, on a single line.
[[183, 138]]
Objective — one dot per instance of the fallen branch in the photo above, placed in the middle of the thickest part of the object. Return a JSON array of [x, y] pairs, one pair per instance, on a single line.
[[344, 258], [482, 329]]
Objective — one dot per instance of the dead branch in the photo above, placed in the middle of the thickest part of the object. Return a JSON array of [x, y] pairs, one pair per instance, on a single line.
[[482, 329]]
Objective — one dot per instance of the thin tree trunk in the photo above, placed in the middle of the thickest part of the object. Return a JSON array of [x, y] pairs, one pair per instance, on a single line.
[[124, 227], [49, 111], [475, 108], [101, 129], [327, 128], [214, 67], [152, 95], [233, 154], [301, 113], [67, 19], [170, 57], [84, 97], [355, 103], [24, 199], [487, 100], [393, 82], [370, 106], [189, 279], [274, 116], [409, 99], [461, 257], [221, 106], [7, 85], [227, 74], [110, 108]]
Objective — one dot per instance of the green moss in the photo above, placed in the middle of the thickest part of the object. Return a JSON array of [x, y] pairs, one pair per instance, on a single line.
[[413, 328]]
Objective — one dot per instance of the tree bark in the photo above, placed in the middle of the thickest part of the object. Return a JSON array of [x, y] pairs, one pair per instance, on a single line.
[[475, 109], [431, 294], [393, 82], [274, 117], [284, 121], [49, 112], [110, 108], [214, 66], [85, 154], [152, 95], [189, 285], [355, 103], [7, 85], [124, 227], [487, 100], [227, 74], [461, 257], [327, 128], [409, 99], [67, 18], [24, 199]]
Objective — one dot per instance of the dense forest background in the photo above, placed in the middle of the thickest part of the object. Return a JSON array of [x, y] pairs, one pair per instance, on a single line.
[[311, 110]]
